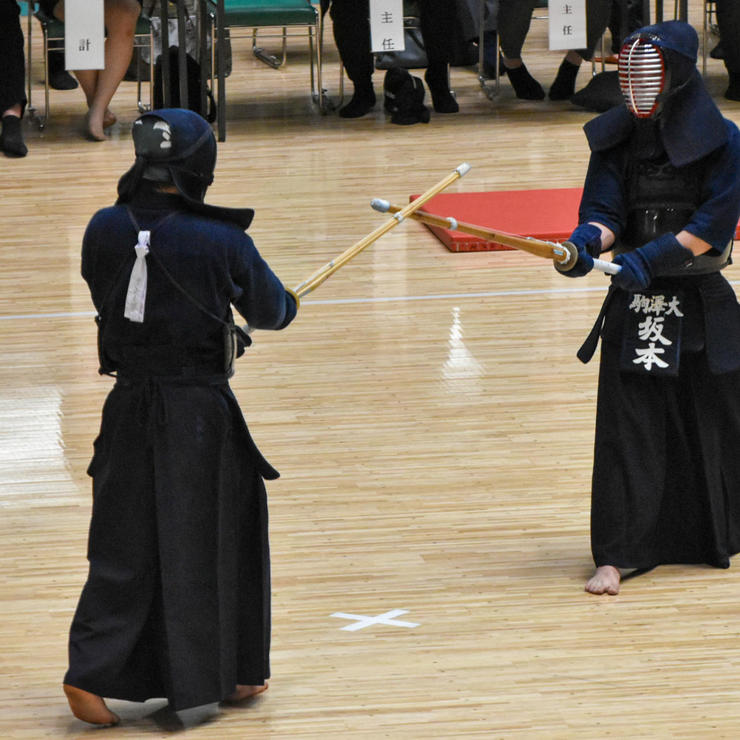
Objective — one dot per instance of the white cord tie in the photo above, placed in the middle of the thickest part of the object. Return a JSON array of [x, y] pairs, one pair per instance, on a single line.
[[136, 295]]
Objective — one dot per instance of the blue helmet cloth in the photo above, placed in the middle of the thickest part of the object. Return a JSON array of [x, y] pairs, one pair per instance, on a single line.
[[690, 124], [177, 146]]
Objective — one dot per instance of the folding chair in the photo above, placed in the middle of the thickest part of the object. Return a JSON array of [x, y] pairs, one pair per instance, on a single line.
[[258, 15]]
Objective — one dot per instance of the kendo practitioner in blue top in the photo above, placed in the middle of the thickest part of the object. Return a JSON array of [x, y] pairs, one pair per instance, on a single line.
[[177, 600], [663, 192]]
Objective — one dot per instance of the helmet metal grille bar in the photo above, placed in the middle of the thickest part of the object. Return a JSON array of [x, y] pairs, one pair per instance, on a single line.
[[641, 76]]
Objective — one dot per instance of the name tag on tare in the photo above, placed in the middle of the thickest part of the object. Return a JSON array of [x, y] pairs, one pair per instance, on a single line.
[[84, 34], [567, 19], [651, 340], [386, 25]]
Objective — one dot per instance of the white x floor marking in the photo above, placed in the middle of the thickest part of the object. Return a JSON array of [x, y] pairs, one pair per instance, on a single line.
[[365, 621]]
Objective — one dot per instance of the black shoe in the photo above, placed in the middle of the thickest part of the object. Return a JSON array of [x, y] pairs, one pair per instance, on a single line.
[[564, 86], [11, 138], [525, 86], [62, 80], [733, 89], [59, 78], [443, 100], [718, 52], [363, 101]]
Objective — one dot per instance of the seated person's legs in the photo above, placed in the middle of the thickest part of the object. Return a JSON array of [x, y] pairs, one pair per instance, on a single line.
[[12, 93], [351, 24], [617, 17], [469, 21], [437, 18], [99, 86], [728, 19], [597, 19], [514, 19]]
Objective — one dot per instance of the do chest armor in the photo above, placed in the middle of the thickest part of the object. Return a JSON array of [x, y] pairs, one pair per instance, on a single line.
[[661, 198]]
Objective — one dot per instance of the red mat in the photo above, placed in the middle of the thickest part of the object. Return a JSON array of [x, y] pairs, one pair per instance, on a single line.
[[544, 214]]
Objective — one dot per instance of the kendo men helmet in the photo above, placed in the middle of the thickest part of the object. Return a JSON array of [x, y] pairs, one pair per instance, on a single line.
[[177, 146], [654, 63]]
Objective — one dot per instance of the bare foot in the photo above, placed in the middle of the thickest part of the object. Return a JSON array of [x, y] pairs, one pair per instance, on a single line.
[[245, 692], [604, 581], [109, 118], [94, 127], [89, 707]]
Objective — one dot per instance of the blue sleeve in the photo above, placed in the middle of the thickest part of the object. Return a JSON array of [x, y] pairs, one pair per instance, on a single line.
[[88, 254], [716, 219], [603, 197], [102, 257], [257, 293]]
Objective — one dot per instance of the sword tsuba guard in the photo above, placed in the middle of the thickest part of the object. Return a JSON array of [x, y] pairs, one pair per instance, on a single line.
[[569, 262]]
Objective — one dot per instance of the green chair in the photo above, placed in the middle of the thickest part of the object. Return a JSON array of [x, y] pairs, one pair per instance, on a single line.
[[53, 39], [257, 15]]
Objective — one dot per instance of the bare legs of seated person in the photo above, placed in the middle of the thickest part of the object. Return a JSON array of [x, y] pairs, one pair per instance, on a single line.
[[100, 85]]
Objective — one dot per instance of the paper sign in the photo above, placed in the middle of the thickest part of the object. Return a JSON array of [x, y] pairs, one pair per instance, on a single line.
[[567, 24], [386, 25], [84, 34]]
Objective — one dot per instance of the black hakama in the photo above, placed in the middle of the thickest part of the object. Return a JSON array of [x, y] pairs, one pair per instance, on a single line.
[[177, 602], [666, 469]]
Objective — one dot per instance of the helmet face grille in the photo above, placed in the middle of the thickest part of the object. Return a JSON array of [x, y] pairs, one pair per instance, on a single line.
[[641, 76]]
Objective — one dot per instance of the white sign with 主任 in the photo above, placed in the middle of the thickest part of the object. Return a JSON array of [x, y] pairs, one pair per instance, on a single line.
[[567, 20], [386, 25], [84, 34]]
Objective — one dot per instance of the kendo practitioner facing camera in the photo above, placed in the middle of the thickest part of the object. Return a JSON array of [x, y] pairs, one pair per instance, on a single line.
[[663, 191], [177, 600]]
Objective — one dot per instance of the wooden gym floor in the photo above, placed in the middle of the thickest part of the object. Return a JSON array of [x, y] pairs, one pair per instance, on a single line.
[[428, 415]]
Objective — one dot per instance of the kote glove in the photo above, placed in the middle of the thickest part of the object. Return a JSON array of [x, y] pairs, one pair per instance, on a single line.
[[658, 257]]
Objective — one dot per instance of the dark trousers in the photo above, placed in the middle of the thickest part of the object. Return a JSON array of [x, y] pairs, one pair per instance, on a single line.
[[351, 21], [728, 20], [12, 60], [514, 17]]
